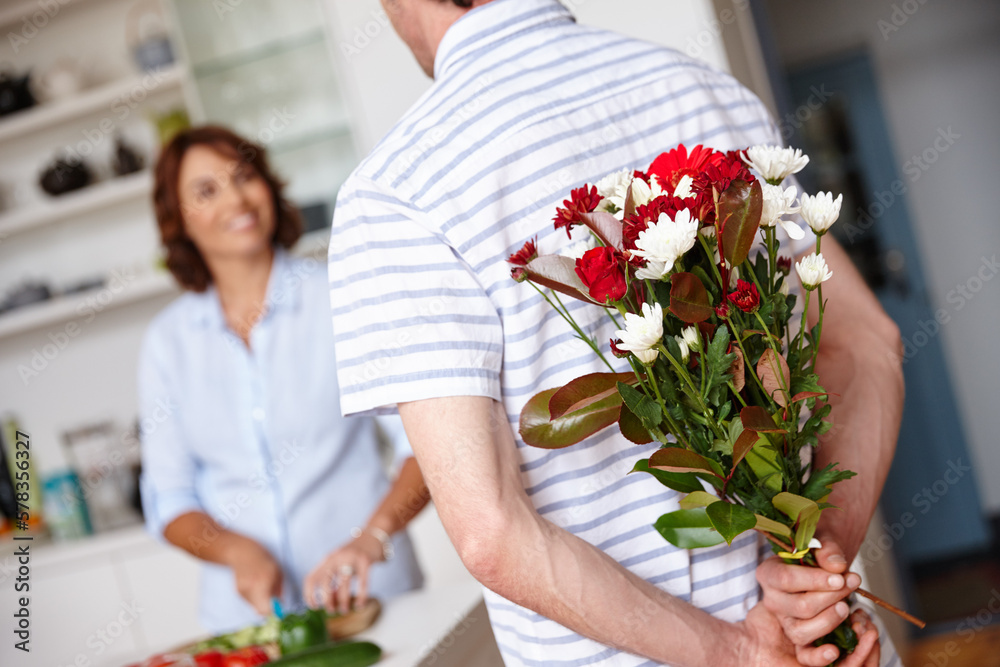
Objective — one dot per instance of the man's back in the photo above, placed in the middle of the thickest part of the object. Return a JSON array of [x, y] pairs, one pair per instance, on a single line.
[[526, 106]]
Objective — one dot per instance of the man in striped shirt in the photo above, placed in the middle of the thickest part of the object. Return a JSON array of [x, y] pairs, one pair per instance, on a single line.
[[527, 105]]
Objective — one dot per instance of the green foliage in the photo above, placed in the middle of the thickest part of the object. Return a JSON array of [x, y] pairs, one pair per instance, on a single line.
[[682, 482], [688, 529]]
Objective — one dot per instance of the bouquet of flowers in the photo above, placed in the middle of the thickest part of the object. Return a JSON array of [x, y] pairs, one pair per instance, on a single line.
[[719, 376]]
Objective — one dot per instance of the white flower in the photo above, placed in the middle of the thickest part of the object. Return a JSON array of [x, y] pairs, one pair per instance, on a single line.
[[577, 249], [821, 211], [687, 341], [642, 332], [663, 242], [616, 186], [784, 289], [775, 163], [683, 189], [812, 270], [778, 203]]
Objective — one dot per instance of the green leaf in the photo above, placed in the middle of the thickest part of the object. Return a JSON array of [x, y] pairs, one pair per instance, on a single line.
[[675, 459], [763, 460], [688, 298], [730, 519], [642, 406], [792, 505], [806, 527], [632, 428], [773, 527], [586, 390], [820, 482], [738, 211], [538, 429], [698, 499], [680, 482], [688, 529]]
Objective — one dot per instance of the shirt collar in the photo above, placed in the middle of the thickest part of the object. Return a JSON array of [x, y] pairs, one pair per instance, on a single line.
[[488, 25], [283, 293]]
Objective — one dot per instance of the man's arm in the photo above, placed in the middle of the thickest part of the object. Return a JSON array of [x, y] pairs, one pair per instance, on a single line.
[[467, 453], [860, 361]]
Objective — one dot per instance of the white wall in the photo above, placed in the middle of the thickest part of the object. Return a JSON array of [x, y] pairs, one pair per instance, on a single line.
[[384, 79], [937, 68]]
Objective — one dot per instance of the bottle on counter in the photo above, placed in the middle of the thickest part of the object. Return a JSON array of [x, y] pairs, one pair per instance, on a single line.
[[34, 502]]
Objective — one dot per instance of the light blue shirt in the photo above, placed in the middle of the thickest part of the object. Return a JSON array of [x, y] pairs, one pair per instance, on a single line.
[[255, 438]]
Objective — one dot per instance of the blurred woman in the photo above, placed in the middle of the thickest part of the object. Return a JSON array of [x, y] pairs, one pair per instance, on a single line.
[[249, 465]]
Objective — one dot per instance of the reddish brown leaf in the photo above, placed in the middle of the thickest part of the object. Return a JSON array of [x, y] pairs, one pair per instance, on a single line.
[[607, 227], [803, 395], [738, 369], [739, 209], [773, 373], [675, 459], [743, 444], [688, 298], [558, 273], [585, 390], [756, 418], [539, 429]]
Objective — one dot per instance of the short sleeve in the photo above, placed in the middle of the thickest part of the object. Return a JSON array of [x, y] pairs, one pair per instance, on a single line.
[[411, 321], [167, 484]]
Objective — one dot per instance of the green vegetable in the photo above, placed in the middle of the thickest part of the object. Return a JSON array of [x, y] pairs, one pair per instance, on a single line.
[[255, 635], [345, 654], [298, 632]]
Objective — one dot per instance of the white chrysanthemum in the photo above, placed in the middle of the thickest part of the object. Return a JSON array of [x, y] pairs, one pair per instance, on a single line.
[[617, 185], [821, 210], [687, 341], [775, 163], [663, 242], [683, 189], [642, 332], [778, 203], [812, 270], [577, 249]]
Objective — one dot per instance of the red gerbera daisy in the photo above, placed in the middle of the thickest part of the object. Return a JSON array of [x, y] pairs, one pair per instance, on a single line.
[[582, 200], [527, 253], [746, 297], [670, 167]]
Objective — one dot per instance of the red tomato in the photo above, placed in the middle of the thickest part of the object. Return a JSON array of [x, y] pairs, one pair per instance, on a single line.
[[211, 658], [168, 660], [251, 656]]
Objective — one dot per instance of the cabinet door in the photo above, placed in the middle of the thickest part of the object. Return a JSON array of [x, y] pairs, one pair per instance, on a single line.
[[165, 582]]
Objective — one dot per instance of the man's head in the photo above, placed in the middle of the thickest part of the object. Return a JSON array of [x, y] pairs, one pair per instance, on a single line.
[[421, 24]]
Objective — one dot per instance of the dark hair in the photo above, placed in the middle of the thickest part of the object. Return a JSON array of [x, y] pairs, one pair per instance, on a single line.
[[184, 260], [467, 4]]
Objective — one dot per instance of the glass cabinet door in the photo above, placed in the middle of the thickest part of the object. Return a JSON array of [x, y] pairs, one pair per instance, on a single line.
[[264, 68]]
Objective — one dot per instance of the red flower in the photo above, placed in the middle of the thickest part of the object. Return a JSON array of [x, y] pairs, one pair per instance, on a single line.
[[722, 310], [670, 167], [582, 200], [647, 213], [527, 253], [617, 351], [601, 273], [721, 174], [785, 264], [745, 297]]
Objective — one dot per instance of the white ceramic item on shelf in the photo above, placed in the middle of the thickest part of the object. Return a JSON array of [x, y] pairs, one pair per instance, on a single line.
[[61, 80]]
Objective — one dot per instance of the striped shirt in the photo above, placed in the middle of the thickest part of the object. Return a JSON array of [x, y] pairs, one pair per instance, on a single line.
[[526, 105]]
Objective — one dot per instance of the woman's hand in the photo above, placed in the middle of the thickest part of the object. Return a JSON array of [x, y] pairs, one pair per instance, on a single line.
[[258, 575], [329, 584]]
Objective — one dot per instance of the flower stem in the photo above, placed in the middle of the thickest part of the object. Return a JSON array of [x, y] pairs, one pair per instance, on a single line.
[[569, 318]]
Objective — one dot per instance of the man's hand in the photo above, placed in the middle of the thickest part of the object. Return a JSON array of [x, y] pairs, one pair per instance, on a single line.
[[808, 603]]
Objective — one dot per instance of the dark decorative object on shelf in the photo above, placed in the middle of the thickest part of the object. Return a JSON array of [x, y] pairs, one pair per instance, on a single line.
[[25, 295], [314, 216], [65, 175], [15, 93], [126, 160]]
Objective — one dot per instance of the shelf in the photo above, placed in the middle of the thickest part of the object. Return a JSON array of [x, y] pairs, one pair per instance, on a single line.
[[76, 203], [336, 129], [64, 308], [254, 54], [99, 98]]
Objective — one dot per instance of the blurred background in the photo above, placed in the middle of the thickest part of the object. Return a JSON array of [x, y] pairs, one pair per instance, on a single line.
[[894, 101]]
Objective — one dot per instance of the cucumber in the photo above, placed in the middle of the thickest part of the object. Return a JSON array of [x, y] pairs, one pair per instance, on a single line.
[[343, 654]]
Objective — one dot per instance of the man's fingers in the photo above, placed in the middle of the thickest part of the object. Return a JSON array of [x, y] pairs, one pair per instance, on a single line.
[[803, 632], [868, 652], [817, 656], [802, 606], [831, 557], [776, 575]]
